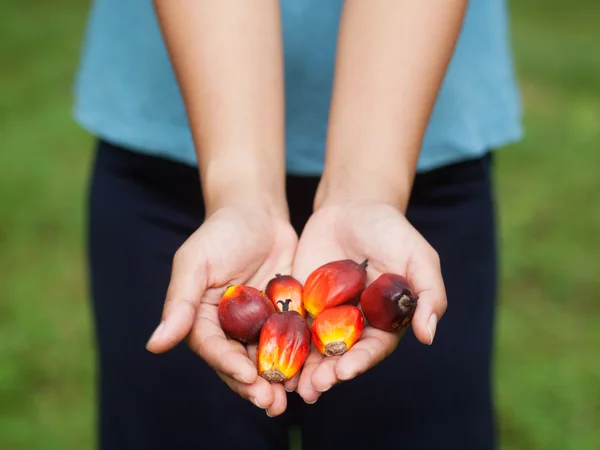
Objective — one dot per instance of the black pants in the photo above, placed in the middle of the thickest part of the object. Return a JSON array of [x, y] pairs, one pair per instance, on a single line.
[[422, 397]]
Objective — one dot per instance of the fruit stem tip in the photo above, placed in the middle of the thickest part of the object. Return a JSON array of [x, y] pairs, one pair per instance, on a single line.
[[335, 348], [285, 304], [407, 302]]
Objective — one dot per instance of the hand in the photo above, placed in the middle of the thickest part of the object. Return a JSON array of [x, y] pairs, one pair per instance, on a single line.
[[235, 245], [380, 233]]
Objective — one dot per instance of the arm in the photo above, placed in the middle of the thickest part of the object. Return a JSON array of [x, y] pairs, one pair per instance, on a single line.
[[391, 59], [227, 56]]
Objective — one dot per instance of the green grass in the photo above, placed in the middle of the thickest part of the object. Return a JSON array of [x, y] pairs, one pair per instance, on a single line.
[[547, 367], [46, 357], [547, 370]]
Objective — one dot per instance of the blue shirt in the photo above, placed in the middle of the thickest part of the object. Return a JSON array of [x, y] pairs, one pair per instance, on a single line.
[[126, 91]]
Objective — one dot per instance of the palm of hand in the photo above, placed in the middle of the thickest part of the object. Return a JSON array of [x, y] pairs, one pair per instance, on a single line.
[[248, 246], [381, 234], [233, 246]]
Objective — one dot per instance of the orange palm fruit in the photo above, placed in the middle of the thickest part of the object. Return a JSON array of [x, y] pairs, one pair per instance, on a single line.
[[388, 303], [283, 346], [332, 284], [286, 293], [337, 329], [242, 312]]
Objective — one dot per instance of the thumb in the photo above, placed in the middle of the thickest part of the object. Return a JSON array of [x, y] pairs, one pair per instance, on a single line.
[[187, 285], [426, 277]]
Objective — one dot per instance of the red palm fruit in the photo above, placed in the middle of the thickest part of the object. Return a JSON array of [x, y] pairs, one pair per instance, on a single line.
[[387, 303], [242, 312], [286, 293], [337, 329], [332, 284], [283, 346]]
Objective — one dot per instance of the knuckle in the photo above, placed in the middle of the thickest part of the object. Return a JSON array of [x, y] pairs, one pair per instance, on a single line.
[[180, 255], [199, 348], [181, 304], [190, 307], [248, 391], [236, 347], [440, 304], [444, 304], [191, 313], [197, 343], [434, 256], [168, 304]]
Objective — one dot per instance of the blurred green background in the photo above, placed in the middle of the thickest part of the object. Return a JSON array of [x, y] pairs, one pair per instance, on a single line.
[[547, 365]]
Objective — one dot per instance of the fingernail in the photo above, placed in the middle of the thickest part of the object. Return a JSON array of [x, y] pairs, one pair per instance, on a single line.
[[157, 333], [288, 390], [268, 415], [431, 327], [325, 389], [345, 376], [241, 378], [245, 376], [313, 402]]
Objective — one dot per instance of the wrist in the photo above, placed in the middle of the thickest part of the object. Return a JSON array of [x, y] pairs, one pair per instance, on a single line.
[[365, 185], [246, 184]]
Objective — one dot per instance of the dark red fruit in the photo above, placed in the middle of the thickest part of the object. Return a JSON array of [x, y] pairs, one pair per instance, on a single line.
[[388, 303], [242, 312]]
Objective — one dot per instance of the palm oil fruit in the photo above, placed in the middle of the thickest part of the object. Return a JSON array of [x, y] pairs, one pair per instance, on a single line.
[[333, 284], [286, 294], [242, 312], [388, 303], [283, 346], [337, 329]]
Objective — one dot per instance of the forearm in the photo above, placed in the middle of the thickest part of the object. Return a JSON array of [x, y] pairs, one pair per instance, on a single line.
[[391, 59], [227, 56]]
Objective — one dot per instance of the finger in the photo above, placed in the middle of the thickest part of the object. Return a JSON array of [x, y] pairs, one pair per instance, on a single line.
[[186, 287], [313, 252], [279, 400], [226, 356], [292, 384], [305, 388], [372, 348], [281, 263], [324, 376], [260, 392], [427, 315], [279, 404], [425, 276]]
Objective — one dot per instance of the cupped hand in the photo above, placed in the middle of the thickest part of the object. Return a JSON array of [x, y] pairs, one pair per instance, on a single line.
[[380, 233], [235, 245]]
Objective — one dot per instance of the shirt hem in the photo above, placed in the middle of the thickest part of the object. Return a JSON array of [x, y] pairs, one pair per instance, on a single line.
[[433, 155]]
